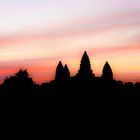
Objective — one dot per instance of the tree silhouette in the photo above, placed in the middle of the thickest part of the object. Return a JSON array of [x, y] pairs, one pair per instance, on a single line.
[[107, 72], [85, 71], [59, 72], [22, 74], [66, 72], [19, 84]]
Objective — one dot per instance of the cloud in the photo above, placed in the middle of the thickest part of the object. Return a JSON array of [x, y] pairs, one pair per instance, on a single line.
[[114, 50], [89, 25], [40, 49]]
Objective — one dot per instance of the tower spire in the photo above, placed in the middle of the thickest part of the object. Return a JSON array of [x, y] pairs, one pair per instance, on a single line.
[[107, 72], [85, 71], [59, 71]]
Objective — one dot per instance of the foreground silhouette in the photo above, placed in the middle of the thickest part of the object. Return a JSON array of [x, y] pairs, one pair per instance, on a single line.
[[84, 84]]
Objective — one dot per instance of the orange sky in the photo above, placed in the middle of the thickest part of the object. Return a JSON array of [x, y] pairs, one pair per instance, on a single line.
[[36, 35]]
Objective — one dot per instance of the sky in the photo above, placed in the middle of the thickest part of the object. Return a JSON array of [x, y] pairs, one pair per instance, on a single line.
[[37, 34]]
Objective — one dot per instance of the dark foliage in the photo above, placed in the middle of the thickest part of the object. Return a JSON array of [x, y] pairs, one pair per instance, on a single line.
[[19, 84]]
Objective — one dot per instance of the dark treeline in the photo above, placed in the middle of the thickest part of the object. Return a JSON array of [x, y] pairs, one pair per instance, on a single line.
[[84, 83]]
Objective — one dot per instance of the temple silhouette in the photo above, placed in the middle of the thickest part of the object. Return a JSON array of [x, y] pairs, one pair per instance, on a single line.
[[85, 71], [84, 84]]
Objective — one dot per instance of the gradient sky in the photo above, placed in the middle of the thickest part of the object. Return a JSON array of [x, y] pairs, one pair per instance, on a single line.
[[36, 34]]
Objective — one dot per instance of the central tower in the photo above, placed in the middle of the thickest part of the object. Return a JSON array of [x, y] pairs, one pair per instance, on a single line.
[[85, 71]]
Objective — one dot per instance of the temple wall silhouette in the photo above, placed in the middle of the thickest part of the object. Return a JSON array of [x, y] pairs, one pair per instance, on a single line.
[[84, 83]]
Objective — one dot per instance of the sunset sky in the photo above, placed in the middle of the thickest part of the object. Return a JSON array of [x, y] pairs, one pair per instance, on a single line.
[[36, 34]]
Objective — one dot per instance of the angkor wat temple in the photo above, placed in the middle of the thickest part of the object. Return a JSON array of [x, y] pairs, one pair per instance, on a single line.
[[84, 83]]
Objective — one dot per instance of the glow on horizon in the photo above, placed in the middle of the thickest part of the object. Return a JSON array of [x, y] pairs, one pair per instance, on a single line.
[[36, 34]]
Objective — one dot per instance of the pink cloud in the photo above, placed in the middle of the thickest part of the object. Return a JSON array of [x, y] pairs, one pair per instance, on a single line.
[[115, 50], [91, 25], [43, 69]]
